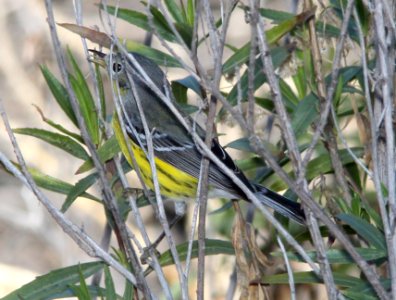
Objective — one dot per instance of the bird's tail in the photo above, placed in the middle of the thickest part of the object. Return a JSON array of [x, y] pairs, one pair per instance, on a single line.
[[280, 204]]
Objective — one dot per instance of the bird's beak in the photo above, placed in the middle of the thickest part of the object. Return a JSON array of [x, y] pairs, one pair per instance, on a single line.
[[98, 57]]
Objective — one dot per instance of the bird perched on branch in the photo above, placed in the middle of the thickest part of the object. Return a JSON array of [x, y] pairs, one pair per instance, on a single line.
[[144, 90]]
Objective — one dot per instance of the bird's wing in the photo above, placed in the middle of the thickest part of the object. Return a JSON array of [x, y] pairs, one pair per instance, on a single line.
[[184, 155]]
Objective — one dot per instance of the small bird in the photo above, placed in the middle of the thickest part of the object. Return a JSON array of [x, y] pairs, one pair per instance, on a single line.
[[177, 158]]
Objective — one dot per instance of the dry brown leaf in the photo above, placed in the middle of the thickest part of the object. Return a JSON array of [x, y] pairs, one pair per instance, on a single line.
[[97, 37], [251, 263]]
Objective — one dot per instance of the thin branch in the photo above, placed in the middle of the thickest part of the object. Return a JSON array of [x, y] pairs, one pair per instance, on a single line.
[[289, 269], [386, 72], [327, 274], [202, 194]]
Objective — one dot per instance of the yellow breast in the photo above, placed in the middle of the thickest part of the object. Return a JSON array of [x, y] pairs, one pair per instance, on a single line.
[[173, 183]]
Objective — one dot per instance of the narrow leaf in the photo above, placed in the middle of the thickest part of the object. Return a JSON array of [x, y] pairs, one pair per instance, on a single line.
[[140, 20], [190, 12], [105, 152], [155, 55], [365, 230], [54, 184], [58, 127], [60, 141], [340, 279], [79, 189], [46, 286], [60, 93], [175, 11], [212, 247], [305, 113], [336, 256], [85, 99], [109, 283]]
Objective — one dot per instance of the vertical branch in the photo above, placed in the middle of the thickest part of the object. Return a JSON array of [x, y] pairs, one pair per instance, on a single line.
[[385, 63], [203, 189], [254, 15], [288, 269]]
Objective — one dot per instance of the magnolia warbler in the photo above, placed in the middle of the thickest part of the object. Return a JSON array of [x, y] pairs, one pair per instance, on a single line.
[[177, 158]]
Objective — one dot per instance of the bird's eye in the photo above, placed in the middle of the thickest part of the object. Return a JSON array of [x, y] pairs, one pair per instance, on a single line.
[[117, 67]]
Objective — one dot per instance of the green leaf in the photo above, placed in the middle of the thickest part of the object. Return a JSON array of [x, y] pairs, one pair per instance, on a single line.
[[190, 12], [287, 93], [338, 8], [60, 141], [81, 291], [364, 16], [365, 230], [212, 247], [55, 282], [101, 91], [226, 206], [365, 288], [85, 100], [105, 152], [54, 184], [275, 15], [316, 167], [141, 20], [358, 295], [327, 30], [242, 144], [185, 32], [250, 163], [191, 83], [128, 290], [110, 290], [336, 256], [322, 163], [237, 59], [265, 103], [340, 279], [159, 57], [175, 11], [180, 92], [58, 127], [300, 82], [305, 113], [79, 189], [60, 93]]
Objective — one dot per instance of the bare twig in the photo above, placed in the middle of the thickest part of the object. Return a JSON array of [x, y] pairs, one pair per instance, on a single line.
[[202, 194], [385, 63], [288, 269]]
